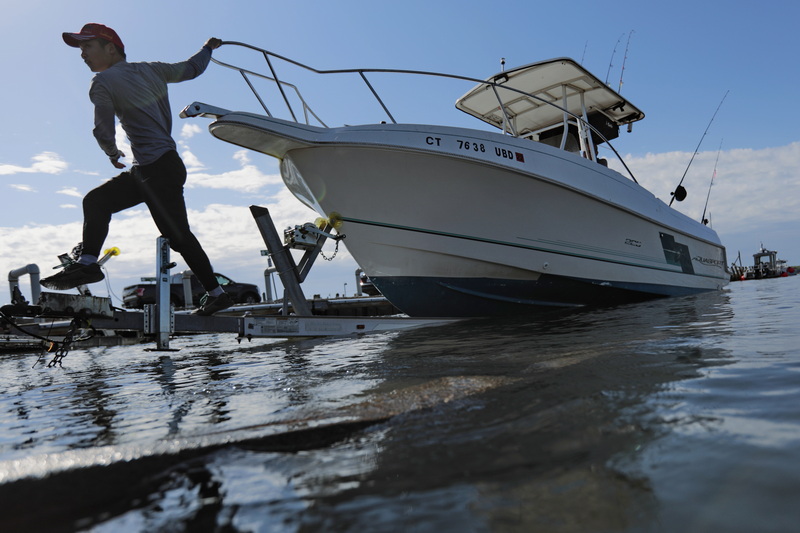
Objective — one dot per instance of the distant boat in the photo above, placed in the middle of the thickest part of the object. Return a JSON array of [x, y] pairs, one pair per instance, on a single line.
[[450, 221], [765, 265]]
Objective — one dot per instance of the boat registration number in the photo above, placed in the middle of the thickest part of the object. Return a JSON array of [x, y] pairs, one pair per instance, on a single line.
[[479, 147], [467, 145]]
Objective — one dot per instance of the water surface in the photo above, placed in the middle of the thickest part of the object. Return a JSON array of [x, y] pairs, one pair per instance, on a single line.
[[673, 415]]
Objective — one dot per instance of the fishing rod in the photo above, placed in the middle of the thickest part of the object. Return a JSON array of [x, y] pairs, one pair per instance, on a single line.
[[713, 175], [611, 61], [680, 193], [624, 60]]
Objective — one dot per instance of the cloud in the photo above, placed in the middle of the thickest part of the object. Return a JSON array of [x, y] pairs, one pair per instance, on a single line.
[[227, 233], [752, 188], [22, 187], [189, 130], [191, 161], [247, 179], [43, 163], [68, 206], [70, 191], [242, 156]]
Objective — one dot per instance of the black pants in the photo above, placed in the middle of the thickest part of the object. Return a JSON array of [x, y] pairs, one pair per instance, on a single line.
[[160, 186]]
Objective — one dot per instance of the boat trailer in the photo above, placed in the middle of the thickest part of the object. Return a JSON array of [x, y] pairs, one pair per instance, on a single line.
[[160, 320]]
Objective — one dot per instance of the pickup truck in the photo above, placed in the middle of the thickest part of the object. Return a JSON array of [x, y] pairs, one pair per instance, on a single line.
[[136, 296]]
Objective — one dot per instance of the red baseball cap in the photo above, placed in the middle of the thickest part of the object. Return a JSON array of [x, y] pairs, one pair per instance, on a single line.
[[93, 31]]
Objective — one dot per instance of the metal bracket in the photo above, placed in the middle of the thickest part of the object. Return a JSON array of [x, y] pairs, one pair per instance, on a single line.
[[199, 109], [306, 237], [150, 322], [291, 276], [164, 312]]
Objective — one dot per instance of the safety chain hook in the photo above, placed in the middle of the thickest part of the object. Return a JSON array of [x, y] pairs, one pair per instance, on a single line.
[[335, 251], [61, 349]]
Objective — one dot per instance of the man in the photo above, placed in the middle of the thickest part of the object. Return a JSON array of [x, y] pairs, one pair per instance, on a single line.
[[136, 93]]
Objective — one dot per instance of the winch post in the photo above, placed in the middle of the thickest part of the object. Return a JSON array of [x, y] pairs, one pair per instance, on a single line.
[[186, 279], [268, 297], [307, 261], [164, 312], [284, 262]]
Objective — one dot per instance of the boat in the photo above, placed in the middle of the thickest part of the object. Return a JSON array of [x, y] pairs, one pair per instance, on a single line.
[[765, 265], [454, 221]]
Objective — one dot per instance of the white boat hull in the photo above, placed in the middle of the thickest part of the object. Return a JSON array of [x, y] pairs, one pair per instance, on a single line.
[[455, 222]]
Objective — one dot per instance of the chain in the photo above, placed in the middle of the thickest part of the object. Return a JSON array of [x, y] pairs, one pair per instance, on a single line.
[[61, 349], [335, 251]]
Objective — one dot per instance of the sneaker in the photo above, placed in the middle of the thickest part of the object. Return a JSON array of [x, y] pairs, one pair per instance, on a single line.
[[73, 276], [211, 304]]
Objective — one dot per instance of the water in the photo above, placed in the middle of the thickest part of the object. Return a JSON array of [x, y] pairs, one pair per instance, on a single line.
[[673, 415]]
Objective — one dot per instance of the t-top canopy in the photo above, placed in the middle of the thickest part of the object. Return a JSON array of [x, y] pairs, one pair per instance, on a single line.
[[545, 81]]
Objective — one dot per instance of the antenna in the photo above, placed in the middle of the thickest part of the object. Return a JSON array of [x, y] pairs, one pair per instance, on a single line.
[[624, 59], [680, 193], [502, 64]]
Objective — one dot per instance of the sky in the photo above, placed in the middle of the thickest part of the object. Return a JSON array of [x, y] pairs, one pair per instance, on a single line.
[[677, 61]]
